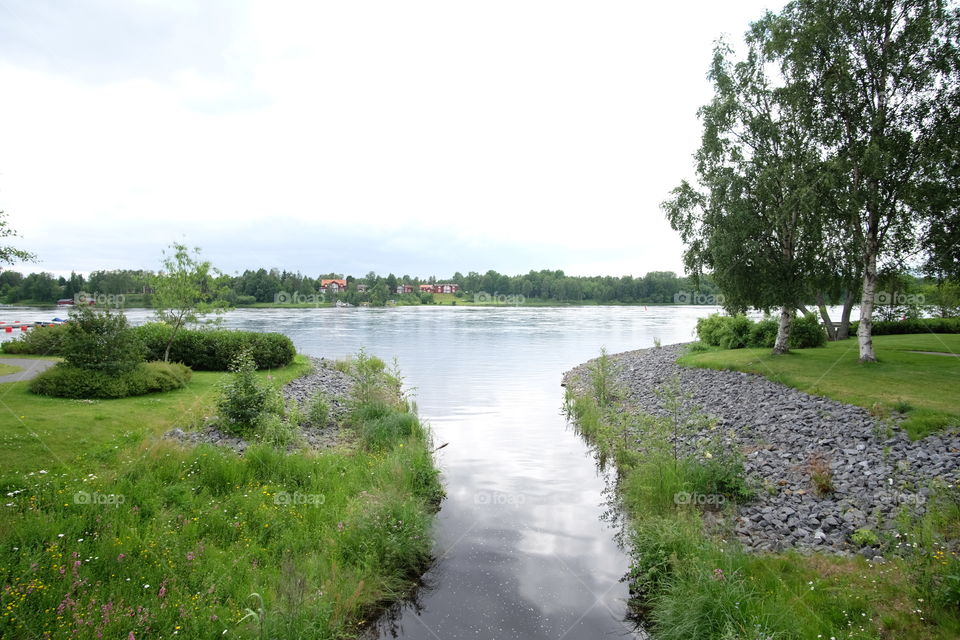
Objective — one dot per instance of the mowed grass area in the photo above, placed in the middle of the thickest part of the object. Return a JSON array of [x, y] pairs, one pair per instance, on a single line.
[[924, 387], [7, 369], [40, 432], [157, 540]]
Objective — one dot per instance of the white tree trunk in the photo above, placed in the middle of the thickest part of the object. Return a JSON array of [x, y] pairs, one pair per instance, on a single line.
[[825, 316], [782, 344], [865, 329]]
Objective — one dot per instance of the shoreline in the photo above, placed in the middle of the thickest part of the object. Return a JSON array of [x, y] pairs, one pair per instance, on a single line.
[[876, 470]]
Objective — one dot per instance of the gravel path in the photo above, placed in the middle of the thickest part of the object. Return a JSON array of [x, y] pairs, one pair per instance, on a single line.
[[30, 368], [333, 384], [877, 470]]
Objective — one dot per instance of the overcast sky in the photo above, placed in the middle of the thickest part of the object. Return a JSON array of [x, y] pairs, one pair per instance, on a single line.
[[414, 137]]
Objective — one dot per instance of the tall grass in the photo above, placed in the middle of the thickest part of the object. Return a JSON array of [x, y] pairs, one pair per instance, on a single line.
[[175, 540], [690, 582]]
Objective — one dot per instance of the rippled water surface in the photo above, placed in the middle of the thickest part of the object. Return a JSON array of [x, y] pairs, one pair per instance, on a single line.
[[522, 549]]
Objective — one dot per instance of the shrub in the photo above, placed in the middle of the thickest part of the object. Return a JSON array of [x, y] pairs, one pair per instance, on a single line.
[[738, 332], [318, 411], [710, 328], [244, 399], [246, 300], [912, 325], [215, 349], [735, 333], [67, 381], [101, 340], [39, 341], [763, 334], [806, 333]]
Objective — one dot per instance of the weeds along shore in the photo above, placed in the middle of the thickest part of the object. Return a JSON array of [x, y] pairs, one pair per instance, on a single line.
[[684, 479], [193, 539]]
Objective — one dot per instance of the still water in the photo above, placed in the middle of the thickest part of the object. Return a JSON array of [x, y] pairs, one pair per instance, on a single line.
[[522, 548]]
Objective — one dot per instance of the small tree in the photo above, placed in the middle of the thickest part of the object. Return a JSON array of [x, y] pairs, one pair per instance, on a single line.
[[100, 340], [184, 292]]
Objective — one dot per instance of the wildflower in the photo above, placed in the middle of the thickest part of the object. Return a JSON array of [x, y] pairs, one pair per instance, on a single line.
[[718, 574]]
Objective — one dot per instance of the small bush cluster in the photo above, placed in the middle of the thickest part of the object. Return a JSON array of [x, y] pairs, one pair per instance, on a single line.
[[39, 341], [740, 332], [215, 349], [66, 381], [911, 325], [245, 403]]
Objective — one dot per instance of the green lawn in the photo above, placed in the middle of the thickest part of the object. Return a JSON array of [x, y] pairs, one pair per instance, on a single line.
[[7, 369], [925, 387], [159, 540], [39, 432]]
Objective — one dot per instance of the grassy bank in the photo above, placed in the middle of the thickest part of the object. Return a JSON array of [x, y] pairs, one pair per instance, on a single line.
[[130, 536], [925, 387], [690, 578], [41, 432]]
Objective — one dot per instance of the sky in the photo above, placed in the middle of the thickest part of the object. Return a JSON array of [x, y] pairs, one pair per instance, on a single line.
[[411, 137]]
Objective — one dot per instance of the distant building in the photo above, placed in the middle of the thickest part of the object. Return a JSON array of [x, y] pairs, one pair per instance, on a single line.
[[446, 288], [404, 288], [426, 288], [362, 288], [333, 285]]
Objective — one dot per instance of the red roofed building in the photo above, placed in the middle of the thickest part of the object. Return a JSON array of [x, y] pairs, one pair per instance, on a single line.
[[334, 284]]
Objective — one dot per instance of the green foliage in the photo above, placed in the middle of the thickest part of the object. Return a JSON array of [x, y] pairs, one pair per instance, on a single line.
[[912, 325], [739, 332], [67, 381], [39, 341], [318, 410], [101, 340], [184, 292], [865, 538], [602, 371], [384, 432], [9, 254], [244, 400], [214, 349], [807, 333]]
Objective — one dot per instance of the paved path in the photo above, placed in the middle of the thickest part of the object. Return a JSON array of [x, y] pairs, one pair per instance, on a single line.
[[29, 368]]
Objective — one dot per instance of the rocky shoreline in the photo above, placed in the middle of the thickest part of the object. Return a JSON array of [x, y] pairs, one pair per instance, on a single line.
[[323, 378], [876, 469]]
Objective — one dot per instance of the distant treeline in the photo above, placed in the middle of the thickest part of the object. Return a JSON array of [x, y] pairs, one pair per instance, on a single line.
[[270, 286], [267, 286]]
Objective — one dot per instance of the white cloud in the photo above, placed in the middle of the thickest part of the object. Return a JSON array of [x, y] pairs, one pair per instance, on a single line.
[[527, 134]]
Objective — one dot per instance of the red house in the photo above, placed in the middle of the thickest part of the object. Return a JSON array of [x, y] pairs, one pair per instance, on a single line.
[[404, 288], [446, 288], [333, 285], [426, 288]]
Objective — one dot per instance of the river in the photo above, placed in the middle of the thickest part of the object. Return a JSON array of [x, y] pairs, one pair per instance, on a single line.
[[523, 549]]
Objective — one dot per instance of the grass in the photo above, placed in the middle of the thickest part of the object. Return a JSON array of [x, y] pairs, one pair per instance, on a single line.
[[690, 582], [161, 540], [7, 369], [40, 432], [925, 387]]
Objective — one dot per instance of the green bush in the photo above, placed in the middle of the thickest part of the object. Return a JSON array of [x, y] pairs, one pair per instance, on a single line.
[[912, 325], [39, 341], [806, 333], [318, 411], [244, 399], [101, 340], [763, 334], [66, 381], [735, 333], [214, 349], [738, 332]]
